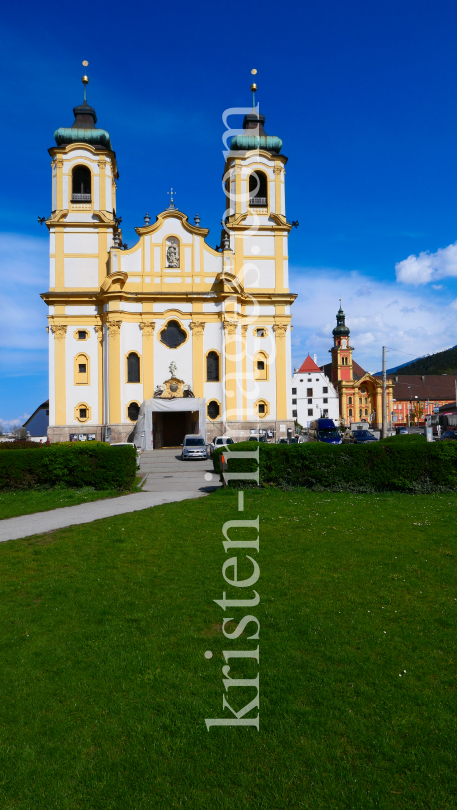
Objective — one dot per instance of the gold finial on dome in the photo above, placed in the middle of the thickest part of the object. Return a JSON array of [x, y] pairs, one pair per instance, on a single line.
[[85, 79], [253, 88]]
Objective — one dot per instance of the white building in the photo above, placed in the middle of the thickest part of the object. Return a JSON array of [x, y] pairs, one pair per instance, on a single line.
[[313, 395], [170, 318]]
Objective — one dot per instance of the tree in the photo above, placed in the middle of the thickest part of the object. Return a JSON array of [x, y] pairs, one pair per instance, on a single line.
[[417, 412], [19, 432]]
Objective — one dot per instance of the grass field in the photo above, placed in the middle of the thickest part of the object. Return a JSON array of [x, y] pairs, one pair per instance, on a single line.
[[28, 501], [105, 687]]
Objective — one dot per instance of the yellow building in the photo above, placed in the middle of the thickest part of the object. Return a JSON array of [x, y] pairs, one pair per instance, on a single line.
[[170, 318], [359, 391]]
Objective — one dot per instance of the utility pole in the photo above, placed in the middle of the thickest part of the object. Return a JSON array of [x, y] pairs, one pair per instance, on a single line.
[[384, 395]]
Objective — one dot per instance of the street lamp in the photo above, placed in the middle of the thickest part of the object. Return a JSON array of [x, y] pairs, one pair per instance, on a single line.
[[410, 405]]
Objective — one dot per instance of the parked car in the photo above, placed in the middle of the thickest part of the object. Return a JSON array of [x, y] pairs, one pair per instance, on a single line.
[[128, 444], [194, 446], [401, 431], [282, 441], [257, 438], [449, 434], [219, 441], [363, 436], [324, 430]]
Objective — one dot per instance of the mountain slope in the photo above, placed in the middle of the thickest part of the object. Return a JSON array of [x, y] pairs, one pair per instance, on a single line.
[[439, 363]]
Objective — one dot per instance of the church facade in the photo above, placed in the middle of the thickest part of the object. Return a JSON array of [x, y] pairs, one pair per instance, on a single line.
[[170, 318], [360, 393]]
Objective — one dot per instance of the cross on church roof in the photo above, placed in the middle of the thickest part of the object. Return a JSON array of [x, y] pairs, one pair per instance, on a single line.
[[172, 206]]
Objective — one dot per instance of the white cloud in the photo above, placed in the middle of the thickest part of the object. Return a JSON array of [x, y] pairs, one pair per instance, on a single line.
[[428, 266], [7, 424], [23, 314], [412, 321]]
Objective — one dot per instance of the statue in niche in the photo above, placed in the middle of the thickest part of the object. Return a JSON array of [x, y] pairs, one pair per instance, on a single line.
[[172, 252]]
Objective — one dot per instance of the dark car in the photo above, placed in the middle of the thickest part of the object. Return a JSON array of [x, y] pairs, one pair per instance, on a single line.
[[449, 434], [362, 436], [257, 438]]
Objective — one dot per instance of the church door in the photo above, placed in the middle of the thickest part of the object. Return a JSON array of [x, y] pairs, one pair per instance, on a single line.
[[174, 429]]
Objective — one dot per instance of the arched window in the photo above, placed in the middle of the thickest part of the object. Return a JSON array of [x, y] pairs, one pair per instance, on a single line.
[[81, 369], [261, 366], [350, 411], [133, 368], [173, 336], [262, 408], [212, 367], [350, 400], [366, 411], [258, 189], [133, 411], [81, 184], [213, 410], [82, 412]]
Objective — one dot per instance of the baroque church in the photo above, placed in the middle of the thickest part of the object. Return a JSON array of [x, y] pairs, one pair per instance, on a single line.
[[360, 392], [170, 336]]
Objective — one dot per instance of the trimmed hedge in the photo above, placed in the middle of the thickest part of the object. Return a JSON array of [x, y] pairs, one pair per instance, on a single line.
[[93, 464], [25, 445], [390, 465]]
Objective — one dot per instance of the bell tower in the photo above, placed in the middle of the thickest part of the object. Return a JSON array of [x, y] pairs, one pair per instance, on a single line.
[[82, 229], [255, 249], [341, 351]]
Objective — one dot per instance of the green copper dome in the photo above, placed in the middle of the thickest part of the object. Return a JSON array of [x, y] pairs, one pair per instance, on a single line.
[[83, 130], [268, 142], [341, 330], [255, 137]]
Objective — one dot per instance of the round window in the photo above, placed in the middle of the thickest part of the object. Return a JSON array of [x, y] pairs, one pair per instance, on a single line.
[[213, 409]]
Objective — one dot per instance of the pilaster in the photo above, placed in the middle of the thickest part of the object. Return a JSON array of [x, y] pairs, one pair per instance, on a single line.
[[198, 328], [114, 328], [148, 327], [60, 331], [280, 330], [244, 414], [230, 345], [99, 332]]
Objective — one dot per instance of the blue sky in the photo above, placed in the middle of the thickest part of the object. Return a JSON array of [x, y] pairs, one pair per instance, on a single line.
[[363, 96]]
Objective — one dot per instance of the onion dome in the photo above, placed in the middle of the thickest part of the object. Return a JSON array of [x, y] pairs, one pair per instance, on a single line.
[[255, 137], [84, 129], [341, 330]]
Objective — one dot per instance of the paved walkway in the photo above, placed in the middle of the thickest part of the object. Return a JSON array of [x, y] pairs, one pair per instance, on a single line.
[[166, 472], [168, 479]]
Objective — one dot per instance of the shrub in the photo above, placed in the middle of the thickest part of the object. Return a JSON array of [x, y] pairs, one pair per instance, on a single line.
[[21, 445], [94, 464], [416, 466]]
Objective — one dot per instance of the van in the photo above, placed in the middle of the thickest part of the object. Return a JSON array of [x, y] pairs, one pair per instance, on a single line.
[[324, 430]]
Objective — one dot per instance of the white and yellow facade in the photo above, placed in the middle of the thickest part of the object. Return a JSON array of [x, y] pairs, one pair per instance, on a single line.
[[109, 307]]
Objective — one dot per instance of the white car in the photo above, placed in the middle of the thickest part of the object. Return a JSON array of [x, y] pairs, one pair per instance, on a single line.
[[220, 441], [194, 446]]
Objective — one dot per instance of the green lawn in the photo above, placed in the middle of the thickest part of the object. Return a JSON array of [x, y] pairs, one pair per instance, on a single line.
[[28, 501], [104, 687]]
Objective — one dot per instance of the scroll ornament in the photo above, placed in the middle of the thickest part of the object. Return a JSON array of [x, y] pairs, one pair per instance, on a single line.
[[147, 328], [59, 330], [280, 329], [197, 327]]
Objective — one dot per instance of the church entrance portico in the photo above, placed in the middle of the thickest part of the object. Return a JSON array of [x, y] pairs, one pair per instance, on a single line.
[[165, 422]]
